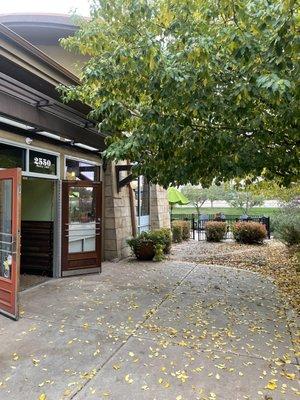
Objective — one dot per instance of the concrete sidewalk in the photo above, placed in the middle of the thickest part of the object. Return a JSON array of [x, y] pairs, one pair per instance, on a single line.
[[172, 330]]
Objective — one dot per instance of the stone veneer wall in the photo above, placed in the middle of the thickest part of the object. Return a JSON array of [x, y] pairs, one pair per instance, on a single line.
[[117, 217], [117, 214], [159, 208]]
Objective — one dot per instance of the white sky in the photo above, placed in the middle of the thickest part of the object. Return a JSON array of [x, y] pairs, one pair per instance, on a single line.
[[44, 6]]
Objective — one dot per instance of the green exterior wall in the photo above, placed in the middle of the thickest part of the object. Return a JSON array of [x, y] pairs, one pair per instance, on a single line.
[[38, 200]]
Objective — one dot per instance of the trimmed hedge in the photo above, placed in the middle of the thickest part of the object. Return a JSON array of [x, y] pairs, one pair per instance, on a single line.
[[249, 232], [215, 231], [176, 233], [286, 226], [185, 229]]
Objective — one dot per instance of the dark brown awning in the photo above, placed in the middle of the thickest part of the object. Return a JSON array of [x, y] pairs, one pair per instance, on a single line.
[[28, 81]]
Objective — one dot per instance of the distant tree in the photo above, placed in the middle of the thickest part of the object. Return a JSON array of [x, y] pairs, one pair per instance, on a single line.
[[196, 194], [215, 192], [244, 200], [274, 191]]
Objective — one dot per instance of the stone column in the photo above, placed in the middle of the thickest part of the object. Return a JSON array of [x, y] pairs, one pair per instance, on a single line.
[[117, 217], [159, 208]]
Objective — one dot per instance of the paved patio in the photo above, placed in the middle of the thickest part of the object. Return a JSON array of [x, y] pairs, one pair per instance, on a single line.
[[174, 330]]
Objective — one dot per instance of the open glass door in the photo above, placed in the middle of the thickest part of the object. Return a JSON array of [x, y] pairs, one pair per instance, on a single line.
[[10, 212], [81, 227]]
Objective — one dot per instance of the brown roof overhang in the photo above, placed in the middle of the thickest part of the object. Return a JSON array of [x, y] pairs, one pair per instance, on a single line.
[[40, 57], [30, 77]]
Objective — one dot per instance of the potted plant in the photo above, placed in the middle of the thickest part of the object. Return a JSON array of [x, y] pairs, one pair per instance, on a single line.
[[149, 245]]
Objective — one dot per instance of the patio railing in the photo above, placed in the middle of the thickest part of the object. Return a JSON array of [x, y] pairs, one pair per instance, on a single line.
[[198, 223]]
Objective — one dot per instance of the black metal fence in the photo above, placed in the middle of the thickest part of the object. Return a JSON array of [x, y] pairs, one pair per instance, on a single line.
[[198, 223]]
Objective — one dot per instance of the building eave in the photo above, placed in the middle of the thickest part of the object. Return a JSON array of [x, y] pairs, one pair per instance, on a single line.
[[12, 40]]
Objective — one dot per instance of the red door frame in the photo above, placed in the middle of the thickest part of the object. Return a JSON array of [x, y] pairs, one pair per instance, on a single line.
[[87, 260], [9, 287]]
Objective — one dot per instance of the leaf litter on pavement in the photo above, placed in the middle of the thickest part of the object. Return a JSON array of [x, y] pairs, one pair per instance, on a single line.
[[217, 343]]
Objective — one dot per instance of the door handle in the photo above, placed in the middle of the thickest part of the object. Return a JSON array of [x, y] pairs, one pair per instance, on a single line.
[[14, 243]]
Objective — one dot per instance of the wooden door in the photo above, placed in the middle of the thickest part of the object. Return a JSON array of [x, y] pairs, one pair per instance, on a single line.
[[10, 219], [81, 227]]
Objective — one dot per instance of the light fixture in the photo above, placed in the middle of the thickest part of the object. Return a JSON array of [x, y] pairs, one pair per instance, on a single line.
[[48, 134], [17, 124], [134, 184], [54, 136], [86, 147], [28, 140]]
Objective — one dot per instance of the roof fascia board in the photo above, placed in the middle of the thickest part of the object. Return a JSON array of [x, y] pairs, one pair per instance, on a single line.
[[29, 78], [31, 57], [17, 109]]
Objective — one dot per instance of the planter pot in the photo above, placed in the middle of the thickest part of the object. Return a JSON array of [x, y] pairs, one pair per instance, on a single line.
[[145, 251]]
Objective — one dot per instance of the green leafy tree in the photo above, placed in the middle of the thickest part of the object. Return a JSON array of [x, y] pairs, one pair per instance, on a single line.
[[194, 90], [273, 190], [196, 194], [215, 192], [244, 200]]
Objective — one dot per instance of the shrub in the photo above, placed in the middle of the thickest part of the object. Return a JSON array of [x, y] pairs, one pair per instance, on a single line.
[[215, 231], [288, 233], [249, 232], [152, 244], [159, 252], [166, 238], [286, 226], [176, 233], [186, 228]]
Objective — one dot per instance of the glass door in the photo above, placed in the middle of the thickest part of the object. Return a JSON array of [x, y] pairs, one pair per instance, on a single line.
[[81, 226], [141, 190], [10, 209]]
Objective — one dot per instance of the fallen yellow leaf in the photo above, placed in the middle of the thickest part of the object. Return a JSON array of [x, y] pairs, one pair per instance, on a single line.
[[289, 376], [272, 385]]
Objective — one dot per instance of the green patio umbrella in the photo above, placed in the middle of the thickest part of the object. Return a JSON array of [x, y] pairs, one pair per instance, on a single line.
[[176, 197]]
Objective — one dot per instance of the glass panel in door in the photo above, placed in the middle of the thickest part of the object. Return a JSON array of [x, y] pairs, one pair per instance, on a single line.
[[6, 228], [10, 206], [82, 219]]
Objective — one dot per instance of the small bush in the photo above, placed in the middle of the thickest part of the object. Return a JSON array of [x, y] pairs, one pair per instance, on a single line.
[[249, 232], [186, 228], [167, 239], [159, 252], [215, 231], [286, 226], [176, 232], [288, 233]]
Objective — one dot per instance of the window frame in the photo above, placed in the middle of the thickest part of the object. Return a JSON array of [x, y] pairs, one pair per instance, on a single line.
[[27, 148], [95, 163]]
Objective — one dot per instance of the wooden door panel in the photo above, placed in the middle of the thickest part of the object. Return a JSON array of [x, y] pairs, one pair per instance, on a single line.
[[81, 225], [10, 217]]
